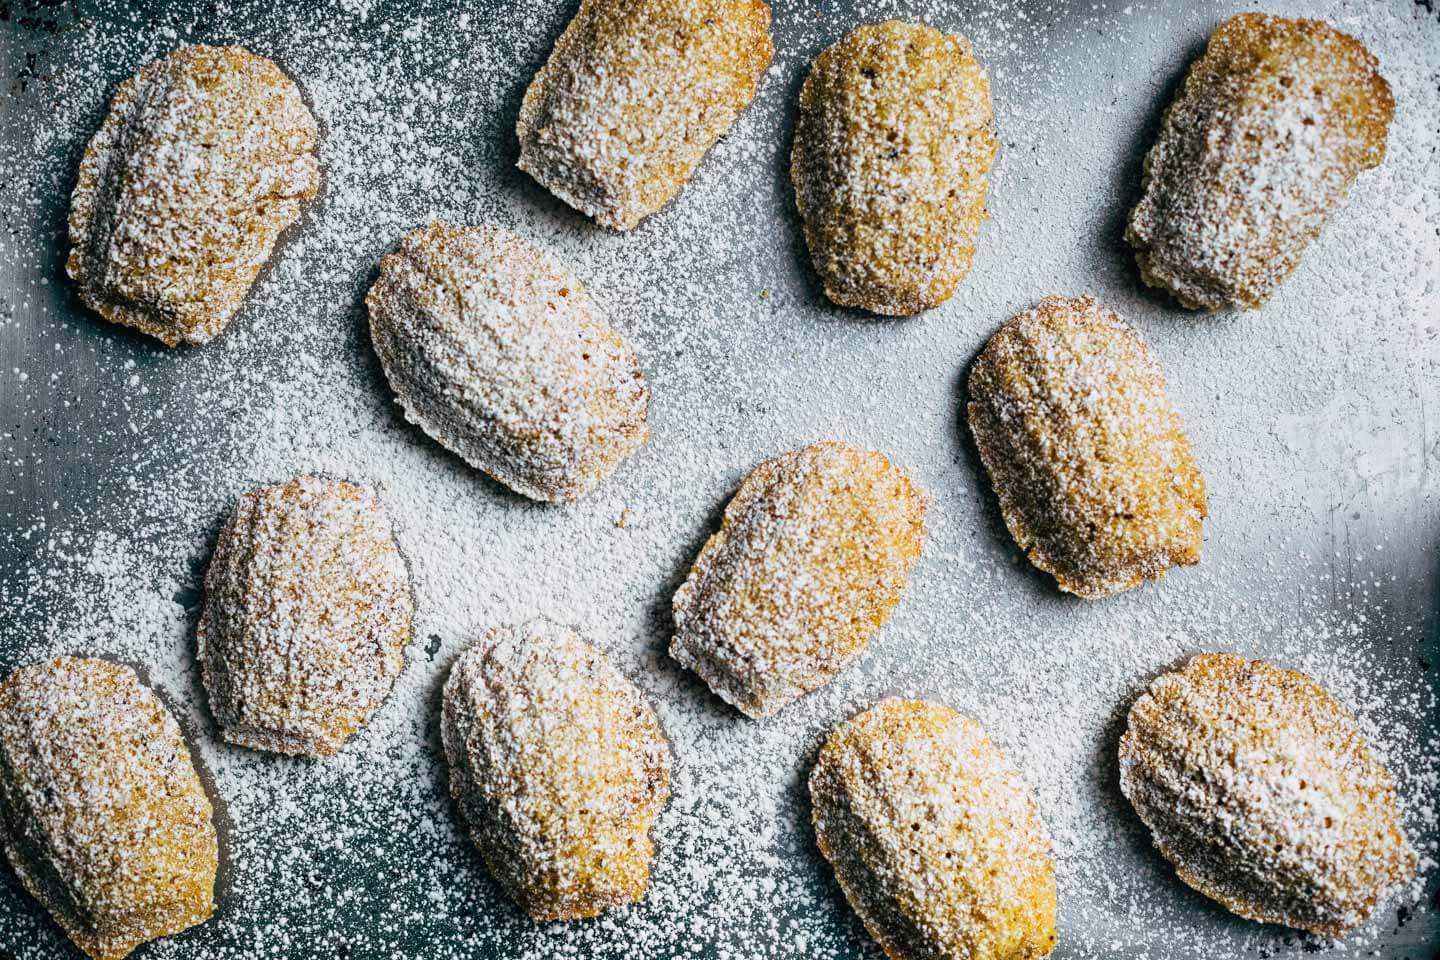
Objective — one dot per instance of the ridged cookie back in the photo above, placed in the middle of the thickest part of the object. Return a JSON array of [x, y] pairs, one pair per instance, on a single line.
[[102, 813], [1270, 129], [1262, 791], [559, 767], [204, 158], [496, 350]]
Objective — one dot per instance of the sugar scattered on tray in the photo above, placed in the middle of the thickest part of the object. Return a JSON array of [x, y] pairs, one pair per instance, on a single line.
[[363, 852]]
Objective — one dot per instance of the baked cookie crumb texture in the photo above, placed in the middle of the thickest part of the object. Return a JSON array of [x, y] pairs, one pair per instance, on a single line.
[[811, 556], [934, 836], [497, 351], [1262, 791], [893, 148], [1270, 129], [102, 813], [307, 614], [559, 767], [634, 95], [1089, 460], [204, 158]]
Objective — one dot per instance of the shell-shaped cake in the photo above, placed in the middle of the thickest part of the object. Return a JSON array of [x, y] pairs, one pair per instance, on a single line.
[[102, 813], [634, 95], [307, 614], [559, 767], [205, 157], [496, 350], [1089, 460], [892, 153], [1261, 790], [934, 836], [811, 556], [1270, 129]]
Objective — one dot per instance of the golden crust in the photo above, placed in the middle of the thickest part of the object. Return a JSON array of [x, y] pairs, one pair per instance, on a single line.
[[559, 767], [1261, 790], [203, 160], [810, 558], [306, 618], [1268, 133], [496, 350], [1089, 461], [634, 95], [893, 145], [102, 813], [935, 838]]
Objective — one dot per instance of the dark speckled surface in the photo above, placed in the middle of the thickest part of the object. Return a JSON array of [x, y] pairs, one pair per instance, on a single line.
[[1316, 421]]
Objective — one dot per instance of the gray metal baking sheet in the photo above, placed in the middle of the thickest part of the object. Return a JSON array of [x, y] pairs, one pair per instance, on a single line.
[[1316, 421]]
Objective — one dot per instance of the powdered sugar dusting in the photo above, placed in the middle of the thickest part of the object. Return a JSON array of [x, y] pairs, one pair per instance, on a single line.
[[633, 96], [120, 460], [1268, 133], [307, 614], [203, 159]]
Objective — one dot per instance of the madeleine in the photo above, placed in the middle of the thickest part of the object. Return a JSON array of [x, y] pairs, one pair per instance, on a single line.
[[559, 767], [1089, 460], [497, 351], [306, 617], [934, 837], [810, 558], [204, 159], [102, 813], [1261, 790], [634, 95], [890, 164], [1267, 135]]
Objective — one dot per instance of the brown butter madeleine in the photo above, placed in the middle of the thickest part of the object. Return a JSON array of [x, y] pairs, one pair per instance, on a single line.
[[634, 95], [892, 151], [559, 767], [934, 836], [811, 556], [203, 160], [1267, 135], [306, 617], [496, 350], [102, 813], [1089, 460], [1261, 790]]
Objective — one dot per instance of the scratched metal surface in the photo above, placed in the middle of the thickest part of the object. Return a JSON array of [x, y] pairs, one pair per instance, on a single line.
[[1325, 475]]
